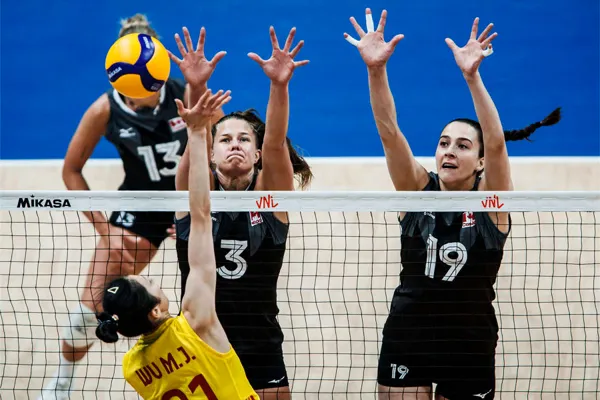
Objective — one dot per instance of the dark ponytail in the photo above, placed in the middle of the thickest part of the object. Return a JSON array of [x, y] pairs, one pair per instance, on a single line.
[[514, 135], [126, 305], [301, 168], [524, 133], [108, 326]]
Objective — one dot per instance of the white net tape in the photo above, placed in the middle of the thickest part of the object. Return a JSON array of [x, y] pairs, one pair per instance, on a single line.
[[304, 201]]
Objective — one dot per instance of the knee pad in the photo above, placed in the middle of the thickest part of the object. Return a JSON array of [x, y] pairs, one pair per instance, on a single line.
[[81, 330]]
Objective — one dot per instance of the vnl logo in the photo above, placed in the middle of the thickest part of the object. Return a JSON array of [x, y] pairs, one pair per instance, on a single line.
[[492, 202], [267, 202]]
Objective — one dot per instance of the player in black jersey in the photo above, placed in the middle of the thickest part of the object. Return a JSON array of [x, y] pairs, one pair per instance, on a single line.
[[442, 326], [249, 247], [150, 137]]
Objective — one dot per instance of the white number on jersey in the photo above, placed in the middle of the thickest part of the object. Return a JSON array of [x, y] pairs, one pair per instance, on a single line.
[[236, 248], [455, 264], [169, 150]]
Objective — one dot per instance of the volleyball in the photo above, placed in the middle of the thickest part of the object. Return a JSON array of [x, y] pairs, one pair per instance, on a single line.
[[137, 65]]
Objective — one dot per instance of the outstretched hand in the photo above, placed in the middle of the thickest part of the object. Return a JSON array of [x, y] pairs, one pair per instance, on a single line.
[[280, 67], [194, 66], [373, 48], [200, 115], [469, 57]]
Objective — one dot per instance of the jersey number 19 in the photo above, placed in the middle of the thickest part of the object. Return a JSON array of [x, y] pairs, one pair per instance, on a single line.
[[445, 251]]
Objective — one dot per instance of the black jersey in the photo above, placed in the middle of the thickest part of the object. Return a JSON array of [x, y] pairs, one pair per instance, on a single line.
[[450, 261], [249, 249], [150, 141]]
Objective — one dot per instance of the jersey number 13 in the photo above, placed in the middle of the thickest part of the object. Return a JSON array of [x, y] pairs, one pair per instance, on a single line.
[[455, 263], [169, 150]]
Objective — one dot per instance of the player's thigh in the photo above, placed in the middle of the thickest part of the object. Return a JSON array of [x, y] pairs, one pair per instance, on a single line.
[[278, 393], [103, 268], [403, 393], [108, 262], [151, 226], [467, 374]]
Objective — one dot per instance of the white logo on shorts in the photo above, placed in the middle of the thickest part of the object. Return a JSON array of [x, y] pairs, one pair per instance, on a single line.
[[482, 395], [125, 219], [277, 380]]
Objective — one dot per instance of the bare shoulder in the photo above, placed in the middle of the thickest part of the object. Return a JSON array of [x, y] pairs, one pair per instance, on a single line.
[[102, 104], [100, 108]]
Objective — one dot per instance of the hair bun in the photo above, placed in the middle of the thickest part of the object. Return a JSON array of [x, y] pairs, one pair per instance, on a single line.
[[107, 328], [136, 20], [137, 24]]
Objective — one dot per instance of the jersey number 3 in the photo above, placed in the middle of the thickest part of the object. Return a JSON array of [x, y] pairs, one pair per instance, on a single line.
[[169, 150], [236, 248], [455, 263]]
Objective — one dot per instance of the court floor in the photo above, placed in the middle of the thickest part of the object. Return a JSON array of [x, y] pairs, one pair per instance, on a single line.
[[337, 281]]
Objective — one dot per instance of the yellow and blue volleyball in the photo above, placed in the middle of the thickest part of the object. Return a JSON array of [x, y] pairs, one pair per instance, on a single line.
[[137, 65]]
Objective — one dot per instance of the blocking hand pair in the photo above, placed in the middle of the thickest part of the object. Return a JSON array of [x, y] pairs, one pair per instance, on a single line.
[[197, 69], [375, 51]]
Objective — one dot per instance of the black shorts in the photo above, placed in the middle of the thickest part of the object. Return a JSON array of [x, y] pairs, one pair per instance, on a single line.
[[150, 225], [418, 352], [258, 341], [264, 366]]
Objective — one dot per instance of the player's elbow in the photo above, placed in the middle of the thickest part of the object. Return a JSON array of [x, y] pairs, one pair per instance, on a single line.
[[495, 148], [69, 172], [201, 218]]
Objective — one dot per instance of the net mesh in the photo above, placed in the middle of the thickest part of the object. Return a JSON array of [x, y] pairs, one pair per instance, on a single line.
[[341, 267]]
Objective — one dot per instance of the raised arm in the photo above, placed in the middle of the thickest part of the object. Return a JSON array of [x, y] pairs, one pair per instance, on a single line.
[[89, 132], [198, 303], [468, 58], [277, 169], [196, 70], [406, 173]]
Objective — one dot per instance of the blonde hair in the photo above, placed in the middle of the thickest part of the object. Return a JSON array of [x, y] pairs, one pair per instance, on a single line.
[[136, 24]]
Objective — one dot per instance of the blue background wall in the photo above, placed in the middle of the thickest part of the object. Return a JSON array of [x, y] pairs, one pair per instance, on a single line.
[[52, 68]]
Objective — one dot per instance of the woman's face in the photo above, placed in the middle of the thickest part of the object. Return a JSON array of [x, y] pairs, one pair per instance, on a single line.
[[457, 155], [234, 148]]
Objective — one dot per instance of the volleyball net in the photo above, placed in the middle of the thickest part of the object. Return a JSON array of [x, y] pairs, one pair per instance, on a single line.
[[340, 270]]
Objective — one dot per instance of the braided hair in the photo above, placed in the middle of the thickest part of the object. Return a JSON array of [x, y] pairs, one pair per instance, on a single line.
[[512, 135]]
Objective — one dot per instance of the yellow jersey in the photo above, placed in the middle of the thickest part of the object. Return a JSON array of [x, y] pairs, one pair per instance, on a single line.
[[174, 363]]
